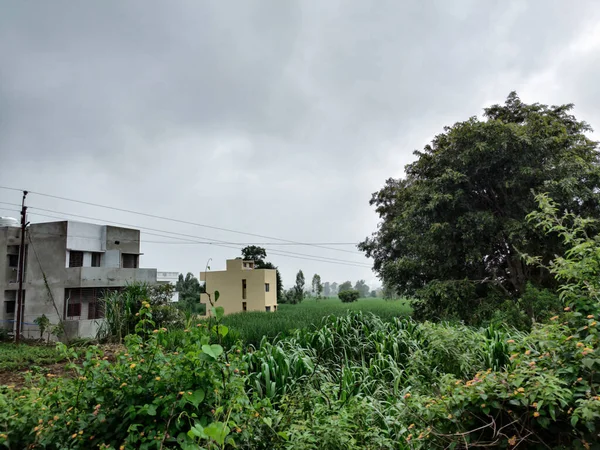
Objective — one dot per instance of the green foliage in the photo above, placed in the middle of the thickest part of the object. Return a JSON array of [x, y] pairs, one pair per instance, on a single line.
[[189, 289], [362, 288], [297, 292], [122, 310], [146, 399], [317, 286], [252, 327], [460, 212], [579, 268], [349, 296], [43, 323], [345, 286], [13, 357]]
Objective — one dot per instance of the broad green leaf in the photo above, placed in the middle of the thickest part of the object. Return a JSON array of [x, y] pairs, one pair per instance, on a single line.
[[151, 410], [217, 431], [213, 350], [217, 295], [221, 330], [268, 421], [196, 397], [219, 312]]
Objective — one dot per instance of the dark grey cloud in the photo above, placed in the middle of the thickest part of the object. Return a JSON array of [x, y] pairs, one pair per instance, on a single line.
[[278, 118]]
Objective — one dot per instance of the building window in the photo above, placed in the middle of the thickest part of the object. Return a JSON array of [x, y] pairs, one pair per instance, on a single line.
[[268, 308], [243, 289], [96, 259], [10, 302], [13, 261], [90, 296], [267, 287], [74, 310], [95, 310], [130, 261], [75, 259], [244, 306]]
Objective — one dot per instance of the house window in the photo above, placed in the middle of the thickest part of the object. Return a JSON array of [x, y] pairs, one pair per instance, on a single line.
[[243, 289], [95, 310], [10, 302], [74, 310], [267, 287], [268, 308], [96, 259], [130, 261], [75, 259], [13, 261], [244, 306]]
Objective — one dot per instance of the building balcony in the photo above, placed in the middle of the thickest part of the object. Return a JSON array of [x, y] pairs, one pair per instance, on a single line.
[[108, 276]]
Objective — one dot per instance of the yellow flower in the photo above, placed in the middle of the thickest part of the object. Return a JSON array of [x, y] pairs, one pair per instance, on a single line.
[[124, 384], [528, 352], [483, 405], [521, 389], [406, 396], [411, 426], [536, 414], [80, 431], [593, 324], [568, 308], [132, 366], [590, 316], [74, 435], [512, 441], [3, 436], [157, 378], [554, 318], [580, 344], [510, 341]]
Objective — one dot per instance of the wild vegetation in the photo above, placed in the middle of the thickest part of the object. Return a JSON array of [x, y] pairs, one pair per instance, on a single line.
[[26, 356]]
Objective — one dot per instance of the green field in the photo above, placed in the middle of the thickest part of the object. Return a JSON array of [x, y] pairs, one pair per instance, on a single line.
[[14, 357], [252, 326]]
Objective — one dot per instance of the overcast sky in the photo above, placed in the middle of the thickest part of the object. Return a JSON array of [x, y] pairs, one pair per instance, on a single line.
[[277, 118]]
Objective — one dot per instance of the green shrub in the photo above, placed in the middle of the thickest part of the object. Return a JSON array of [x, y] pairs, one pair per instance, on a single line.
[[349, 296]]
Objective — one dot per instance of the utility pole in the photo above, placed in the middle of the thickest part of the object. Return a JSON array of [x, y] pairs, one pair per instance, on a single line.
[[21, 269]]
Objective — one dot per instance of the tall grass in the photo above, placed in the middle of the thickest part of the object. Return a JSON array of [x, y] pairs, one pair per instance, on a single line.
[[251, 327]]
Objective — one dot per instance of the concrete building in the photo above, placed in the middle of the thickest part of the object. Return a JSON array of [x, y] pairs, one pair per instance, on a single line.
[[69, 266], [241, 287], [169, 278]]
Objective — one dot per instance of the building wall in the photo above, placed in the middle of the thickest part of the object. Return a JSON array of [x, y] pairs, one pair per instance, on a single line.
[[229, 284], [48, 254]]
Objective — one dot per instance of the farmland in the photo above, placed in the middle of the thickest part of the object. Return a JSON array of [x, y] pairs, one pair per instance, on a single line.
[[250, 327]]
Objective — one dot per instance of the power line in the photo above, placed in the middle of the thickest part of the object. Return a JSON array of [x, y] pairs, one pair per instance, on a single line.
[[179, 221], [193, 240]]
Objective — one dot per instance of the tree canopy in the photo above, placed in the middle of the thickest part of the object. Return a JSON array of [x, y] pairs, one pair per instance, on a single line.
[[460, 212]]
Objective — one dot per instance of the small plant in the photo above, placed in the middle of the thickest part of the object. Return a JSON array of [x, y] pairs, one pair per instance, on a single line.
[[349, 296], [43, 323]]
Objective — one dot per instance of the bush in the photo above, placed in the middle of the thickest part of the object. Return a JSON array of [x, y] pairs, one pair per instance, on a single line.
[[349, 296], [121, 310]]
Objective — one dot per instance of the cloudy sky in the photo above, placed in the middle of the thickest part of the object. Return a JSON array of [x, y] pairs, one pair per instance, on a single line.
[[275, 118]]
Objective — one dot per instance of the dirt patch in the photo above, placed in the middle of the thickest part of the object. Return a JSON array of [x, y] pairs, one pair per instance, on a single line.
[[18, 378]]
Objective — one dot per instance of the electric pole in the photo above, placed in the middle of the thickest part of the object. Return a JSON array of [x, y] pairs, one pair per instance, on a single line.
[[21, 269]]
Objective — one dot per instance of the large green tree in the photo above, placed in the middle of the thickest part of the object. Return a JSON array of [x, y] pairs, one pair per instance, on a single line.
[[258, 255], [189, 289], [459, 213]]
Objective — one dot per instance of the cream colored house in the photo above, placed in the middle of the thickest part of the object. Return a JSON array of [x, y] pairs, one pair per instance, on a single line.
[[241, 287]]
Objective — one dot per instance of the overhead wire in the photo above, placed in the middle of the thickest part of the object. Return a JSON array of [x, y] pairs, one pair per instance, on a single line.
[[177, 220], [191, 239]]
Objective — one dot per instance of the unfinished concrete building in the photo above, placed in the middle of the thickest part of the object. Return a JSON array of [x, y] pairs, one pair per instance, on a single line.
[[69, 266]]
